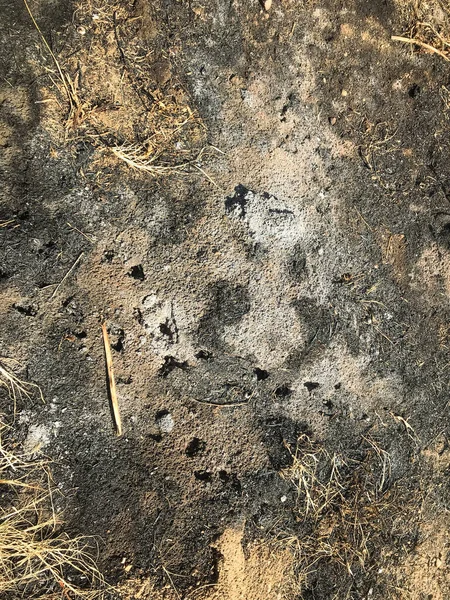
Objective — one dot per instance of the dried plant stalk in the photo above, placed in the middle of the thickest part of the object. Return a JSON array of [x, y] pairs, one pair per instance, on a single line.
[[111, 381]]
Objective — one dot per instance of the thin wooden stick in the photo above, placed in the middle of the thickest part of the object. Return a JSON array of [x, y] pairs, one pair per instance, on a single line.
[[112, 381], [398, 38]]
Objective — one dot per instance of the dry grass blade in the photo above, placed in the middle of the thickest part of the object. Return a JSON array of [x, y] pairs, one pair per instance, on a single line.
[[80, 256], [8, 223], [152, 128], [303, 473], [111, 381]]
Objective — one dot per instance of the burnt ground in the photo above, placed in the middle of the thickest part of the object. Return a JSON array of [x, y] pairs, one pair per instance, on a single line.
[[300, 287]]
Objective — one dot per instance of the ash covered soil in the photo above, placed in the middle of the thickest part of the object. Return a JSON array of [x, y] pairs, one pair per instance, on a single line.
[[292, 284]]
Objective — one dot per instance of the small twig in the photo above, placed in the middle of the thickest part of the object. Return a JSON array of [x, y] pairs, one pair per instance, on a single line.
[[112, 381], [89, 239], [66, 275], [383, 335], [413, 41], [131, 157], [363, 220], [218, 404], [116, 35], [413, 435], [217, 149], [7, 223]]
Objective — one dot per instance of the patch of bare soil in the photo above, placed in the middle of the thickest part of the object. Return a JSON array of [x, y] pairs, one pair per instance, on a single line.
[[256, 203]]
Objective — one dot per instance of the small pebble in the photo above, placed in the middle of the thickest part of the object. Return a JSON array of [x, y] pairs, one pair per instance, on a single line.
[[267, 4], [165, 423]]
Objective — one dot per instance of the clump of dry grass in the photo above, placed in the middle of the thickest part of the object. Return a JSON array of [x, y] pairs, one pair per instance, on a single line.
[[428, 26], [119, 90], [37, 559], [17, 388], [348, 511]]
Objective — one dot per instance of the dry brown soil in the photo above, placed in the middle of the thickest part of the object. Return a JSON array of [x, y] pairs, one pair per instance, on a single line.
[[291, 278]]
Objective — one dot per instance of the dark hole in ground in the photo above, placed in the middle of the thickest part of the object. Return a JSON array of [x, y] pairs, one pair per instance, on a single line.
[[224, 476], [291, 102], [137, 314], [137, 272], [414, 91], [204, 354], [237, 203], [117, 341], [261, 374], [283, 391], [195, 446], [29, 310], [161, 414], [108, 255], [166, 330], [81, 335], [171, 363], [24, 215], [203, 475], [67, 301], [311, 385]]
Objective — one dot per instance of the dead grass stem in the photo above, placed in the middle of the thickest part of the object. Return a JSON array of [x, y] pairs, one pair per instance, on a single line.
[[111, 382]]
